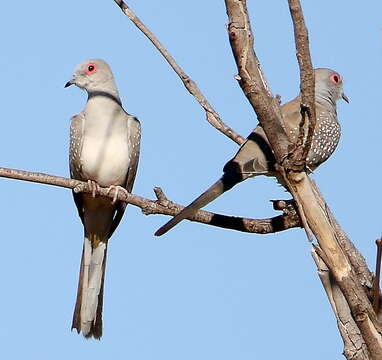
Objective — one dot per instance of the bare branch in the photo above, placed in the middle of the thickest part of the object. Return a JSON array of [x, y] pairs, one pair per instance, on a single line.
[[252, 80], [212, 116], [338, 263], [163, 206], [316, 210], [354, 344], [306, 80], [318, 217], [312, 207], [356, 259]]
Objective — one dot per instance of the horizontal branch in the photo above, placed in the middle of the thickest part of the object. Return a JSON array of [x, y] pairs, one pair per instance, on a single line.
[[212, 116], [163, 206]]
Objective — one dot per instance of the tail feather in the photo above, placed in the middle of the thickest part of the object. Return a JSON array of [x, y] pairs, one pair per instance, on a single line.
[[87, 316], [221, 186]]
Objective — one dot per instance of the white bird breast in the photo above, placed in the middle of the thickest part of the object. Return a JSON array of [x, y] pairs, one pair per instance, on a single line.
[[106, 159]]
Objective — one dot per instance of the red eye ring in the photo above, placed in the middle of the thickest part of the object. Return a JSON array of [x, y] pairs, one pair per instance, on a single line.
[[91, 68], [335, 78]]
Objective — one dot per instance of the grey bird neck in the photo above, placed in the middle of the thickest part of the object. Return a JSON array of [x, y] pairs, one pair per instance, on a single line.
[[112, 95], [106, 88], [326, 98], [102, 108]]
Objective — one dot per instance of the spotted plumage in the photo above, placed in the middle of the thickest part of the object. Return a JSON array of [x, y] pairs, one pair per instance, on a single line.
[[325, 138], [104, 150], [255, 156]]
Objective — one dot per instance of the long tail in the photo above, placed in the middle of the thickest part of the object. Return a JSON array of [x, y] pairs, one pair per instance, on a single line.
[[225, 183], [87, 317]]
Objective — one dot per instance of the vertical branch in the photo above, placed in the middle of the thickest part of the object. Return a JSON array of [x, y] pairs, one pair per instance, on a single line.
[[312, 205], [316, 209], [252, 80], [306, 193], [306, 75]]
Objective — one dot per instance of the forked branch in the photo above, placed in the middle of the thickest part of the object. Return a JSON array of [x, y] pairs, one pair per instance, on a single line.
[[313, 209]]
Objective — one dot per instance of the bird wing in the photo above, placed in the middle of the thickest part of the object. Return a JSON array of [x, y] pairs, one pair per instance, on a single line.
[[134, 144], [75, 147], [254, 157], [134, 141]]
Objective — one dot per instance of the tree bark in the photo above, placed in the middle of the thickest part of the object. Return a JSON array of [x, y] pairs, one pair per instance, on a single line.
[[312, 207]]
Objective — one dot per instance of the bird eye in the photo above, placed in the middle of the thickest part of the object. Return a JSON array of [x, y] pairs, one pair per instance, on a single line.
[[91, 68], [335, 78]]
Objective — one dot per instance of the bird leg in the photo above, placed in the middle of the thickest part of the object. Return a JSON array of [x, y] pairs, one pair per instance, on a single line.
[[94, 187], [117, 189]]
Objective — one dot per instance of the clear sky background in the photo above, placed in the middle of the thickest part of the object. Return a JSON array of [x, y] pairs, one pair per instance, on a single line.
[[199, 292]]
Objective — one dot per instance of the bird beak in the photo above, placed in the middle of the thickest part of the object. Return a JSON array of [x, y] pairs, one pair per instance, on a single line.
[[345, 98], [70, 82]]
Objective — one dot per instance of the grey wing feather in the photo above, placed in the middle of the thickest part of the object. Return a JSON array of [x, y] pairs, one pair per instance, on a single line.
[[75, 147], [135, 145], [134, 141]]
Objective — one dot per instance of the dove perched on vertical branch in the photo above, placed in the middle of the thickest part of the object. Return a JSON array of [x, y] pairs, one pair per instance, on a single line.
[[255, 156], [104, 150]]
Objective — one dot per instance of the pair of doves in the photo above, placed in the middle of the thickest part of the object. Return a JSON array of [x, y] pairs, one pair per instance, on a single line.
[[104, 150]]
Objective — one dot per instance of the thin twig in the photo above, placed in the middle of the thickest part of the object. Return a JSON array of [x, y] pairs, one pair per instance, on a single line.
[[163, 206], [212, 116]]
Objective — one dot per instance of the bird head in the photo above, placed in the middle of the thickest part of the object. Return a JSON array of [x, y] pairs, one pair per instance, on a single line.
[[329, 86], [92, 75]]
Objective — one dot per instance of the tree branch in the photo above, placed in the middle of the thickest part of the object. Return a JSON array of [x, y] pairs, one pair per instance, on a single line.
[[306, 193], [311, 205], [253, 84], [212, 116], [318, 216], [354, 345], [307, 87], [252, 80], [356, 259], [163, 206]]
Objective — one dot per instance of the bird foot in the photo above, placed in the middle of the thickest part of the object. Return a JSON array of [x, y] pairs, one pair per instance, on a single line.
[[94, 187], [116, 189]]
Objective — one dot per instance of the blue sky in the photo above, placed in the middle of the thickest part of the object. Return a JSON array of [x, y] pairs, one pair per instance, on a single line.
[[199, 292]]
